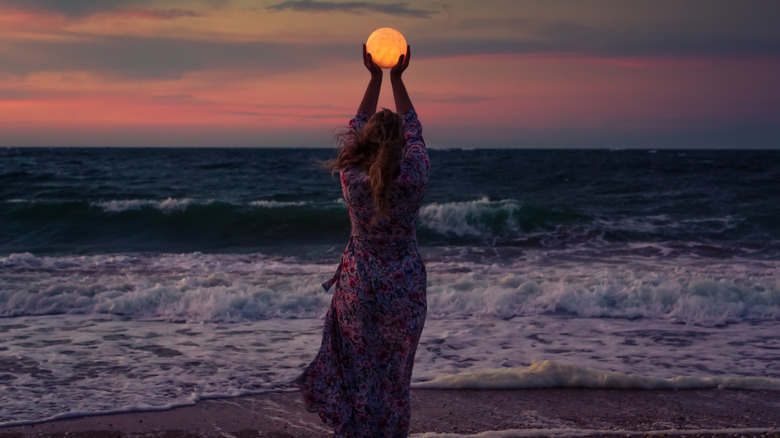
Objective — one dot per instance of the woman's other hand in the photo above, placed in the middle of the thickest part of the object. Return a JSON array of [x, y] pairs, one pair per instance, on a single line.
[[374, 69], [403, 62]]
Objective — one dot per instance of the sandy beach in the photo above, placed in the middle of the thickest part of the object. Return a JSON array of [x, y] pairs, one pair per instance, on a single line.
[[454, 413]]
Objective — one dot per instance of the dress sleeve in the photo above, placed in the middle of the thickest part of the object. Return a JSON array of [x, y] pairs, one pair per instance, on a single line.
[[414, 161], [358, 122]]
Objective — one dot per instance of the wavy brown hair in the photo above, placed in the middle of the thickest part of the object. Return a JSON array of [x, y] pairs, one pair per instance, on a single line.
[[376, 149]]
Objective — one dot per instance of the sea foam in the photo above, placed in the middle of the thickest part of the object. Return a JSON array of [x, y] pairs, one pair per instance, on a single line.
[[551, 374], [168, 205], [580, 432], [132, 364], [199, 287]]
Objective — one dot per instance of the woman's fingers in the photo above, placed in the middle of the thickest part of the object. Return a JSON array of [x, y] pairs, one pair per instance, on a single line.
[[403, 62], [368, 61]]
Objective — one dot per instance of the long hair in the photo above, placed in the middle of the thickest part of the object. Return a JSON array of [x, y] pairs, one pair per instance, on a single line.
[[376, 149]]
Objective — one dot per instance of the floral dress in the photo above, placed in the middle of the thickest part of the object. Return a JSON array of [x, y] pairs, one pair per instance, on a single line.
[[359, 381]]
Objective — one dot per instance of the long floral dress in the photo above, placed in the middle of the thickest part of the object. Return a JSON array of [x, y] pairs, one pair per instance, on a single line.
[[359, 381]]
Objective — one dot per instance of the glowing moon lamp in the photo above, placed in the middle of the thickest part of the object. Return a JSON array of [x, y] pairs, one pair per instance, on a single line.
[[385, 46]]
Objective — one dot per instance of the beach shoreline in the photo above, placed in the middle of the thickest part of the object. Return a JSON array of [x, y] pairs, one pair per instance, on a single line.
[[453, 413]]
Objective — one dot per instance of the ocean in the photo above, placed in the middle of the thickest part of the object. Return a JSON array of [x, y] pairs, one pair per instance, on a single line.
[[146, 278]]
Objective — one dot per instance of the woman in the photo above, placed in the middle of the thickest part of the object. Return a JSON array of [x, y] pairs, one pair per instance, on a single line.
[[359, 381]]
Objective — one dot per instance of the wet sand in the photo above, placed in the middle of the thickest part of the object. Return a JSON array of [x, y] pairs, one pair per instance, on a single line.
[[442, 413]]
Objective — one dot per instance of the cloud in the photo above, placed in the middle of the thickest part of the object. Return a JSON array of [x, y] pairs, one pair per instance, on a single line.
[[715, 134], [451, 98], [164, 58], [274, 114], [162, 14], [174, 96], [634, 29], [18, 94], [589, 41], [86, 8], [493, 23], [130, 57], [401, 9], [657, 41], [73, 8]]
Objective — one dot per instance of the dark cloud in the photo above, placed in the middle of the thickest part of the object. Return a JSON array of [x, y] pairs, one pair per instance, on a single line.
[[85, 8], [588, 41], [273, 114], [658, 41], [639, 28], [715, 134], [162, 58], [167, 14], [451, 98], [13, 94], [401, 9], [73, 8], [240, 113], [174, 96], [166, 58], [492, 23], [722, 17]]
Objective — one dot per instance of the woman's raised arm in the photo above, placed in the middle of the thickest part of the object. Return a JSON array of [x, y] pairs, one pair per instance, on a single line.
[[414, 162], [402, 102], [371, 96]]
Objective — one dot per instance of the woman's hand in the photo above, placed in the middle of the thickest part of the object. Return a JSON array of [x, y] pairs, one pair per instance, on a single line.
[[403, 62], [374, 69]]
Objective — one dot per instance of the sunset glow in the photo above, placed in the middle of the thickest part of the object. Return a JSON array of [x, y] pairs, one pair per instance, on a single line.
[[289, 73]]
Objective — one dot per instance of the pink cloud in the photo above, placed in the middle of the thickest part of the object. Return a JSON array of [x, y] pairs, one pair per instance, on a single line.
[[157, 14]]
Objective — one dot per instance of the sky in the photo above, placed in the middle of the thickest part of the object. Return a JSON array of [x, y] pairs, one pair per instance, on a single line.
[[483, 74]]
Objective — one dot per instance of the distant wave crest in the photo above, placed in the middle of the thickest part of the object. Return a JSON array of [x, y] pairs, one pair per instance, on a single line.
[[167, 205], [203, 224]]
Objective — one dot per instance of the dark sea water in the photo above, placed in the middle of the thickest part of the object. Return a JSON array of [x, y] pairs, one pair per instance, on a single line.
[[92, 201], [148, 278]]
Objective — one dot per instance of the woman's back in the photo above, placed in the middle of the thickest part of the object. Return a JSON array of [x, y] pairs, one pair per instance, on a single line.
[[404, 195]]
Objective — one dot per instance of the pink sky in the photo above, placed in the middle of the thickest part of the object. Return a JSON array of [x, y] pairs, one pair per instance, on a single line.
[[508, 73]]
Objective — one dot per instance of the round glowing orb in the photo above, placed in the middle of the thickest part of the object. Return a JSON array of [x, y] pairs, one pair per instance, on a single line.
[[385, 46]]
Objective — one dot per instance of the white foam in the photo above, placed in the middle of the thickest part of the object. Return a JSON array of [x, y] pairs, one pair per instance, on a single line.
[[467, 218], [654, 349], [577, 432], [551, 374], [251, 322], [178, 287], [235, 287], [24, 259], [275, 204], [123, 364], [168, 205], [77, 414], [120, 365], [685, 290], [511, 221]]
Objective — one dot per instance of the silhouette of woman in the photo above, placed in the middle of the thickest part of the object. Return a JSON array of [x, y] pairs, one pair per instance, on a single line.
[[359, 381]]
